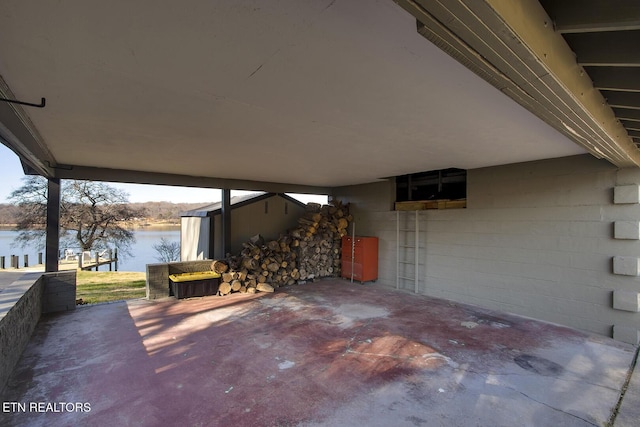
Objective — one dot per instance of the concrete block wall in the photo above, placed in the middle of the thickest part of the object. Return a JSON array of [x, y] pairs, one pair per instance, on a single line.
[[372, 209], [59, 292], [20, 309], [157, 281], [21, 305], [536, 239]]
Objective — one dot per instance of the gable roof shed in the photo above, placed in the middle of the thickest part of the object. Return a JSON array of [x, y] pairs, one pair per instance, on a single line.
[[268, 214]]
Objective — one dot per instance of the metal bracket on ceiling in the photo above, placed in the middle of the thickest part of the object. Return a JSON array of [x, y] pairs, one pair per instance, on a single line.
[[30, 104]]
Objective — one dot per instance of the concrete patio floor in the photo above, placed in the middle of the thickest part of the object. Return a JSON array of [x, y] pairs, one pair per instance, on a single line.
[[329, 353]]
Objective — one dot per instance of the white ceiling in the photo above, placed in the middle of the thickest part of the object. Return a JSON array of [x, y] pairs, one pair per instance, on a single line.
[[313, 92]]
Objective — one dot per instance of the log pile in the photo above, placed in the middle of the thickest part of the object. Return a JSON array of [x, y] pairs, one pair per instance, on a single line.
[[319, 235], [309, 251]]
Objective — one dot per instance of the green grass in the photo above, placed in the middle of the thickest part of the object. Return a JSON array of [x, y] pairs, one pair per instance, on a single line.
[[102, 286]]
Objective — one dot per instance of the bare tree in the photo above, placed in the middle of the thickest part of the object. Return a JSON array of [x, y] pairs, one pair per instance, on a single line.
[[93, 215], [167, 251]]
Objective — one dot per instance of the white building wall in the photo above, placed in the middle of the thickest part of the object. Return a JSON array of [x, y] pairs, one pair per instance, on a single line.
[[536, 239], [194, 238]]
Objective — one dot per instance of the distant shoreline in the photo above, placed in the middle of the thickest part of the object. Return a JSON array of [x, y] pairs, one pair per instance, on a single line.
[[156, 226], [138, 225]]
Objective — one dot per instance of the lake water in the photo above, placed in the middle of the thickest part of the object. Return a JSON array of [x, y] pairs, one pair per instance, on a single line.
[[142, 250]]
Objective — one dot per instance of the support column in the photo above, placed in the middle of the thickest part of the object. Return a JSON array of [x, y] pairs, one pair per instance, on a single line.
[[226, 221], [53, 224], [212, 237]]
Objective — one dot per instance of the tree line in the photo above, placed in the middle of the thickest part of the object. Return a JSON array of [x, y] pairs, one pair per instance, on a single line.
[[9, 214]]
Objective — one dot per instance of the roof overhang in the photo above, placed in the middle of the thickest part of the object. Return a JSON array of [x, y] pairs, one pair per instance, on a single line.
[[238, 202], [180, 180], [514, 46]]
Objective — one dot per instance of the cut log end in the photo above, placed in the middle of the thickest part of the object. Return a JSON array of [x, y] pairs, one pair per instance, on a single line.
[[224, 288], [219, 266], [265, 287]]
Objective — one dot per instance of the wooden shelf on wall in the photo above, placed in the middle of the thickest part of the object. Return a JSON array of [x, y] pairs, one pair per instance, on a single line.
[[420, 205]]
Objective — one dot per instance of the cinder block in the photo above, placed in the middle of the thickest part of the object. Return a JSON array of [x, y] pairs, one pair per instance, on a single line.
[[626, 230], [627, 176], [626, 300], [628, 334], [626, 194], [626, 265], [157, 281], [59, 292]]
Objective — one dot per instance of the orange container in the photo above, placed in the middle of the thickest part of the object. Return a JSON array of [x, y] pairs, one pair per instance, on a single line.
[[364, 263]]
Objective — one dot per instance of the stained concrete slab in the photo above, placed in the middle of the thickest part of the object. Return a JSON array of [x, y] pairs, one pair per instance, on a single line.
[[329, 353], [629, 412]]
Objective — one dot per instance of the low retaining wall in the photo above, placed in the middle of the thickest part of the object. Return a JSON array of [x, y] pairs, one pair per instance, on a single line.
[[158, 285], [21, 305]]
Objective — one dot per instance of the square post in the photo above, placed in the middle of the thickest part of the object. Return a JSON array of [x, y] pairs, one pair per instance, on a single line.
[[53, 225], [226, 221]]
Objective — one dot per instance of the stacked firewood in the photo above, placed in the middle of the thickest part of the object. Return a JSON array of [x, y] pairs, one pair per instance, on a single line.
[[310, 251], [319, 234]]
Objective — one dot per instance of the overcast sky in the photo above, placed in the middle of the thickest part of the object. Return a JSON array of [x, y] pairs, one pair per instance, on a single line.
[[11, 178]]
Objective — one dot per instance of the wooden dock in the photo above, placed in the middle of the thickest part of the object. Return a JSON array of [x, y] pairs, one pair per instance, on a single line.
[[81, 261], [86, 263]]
